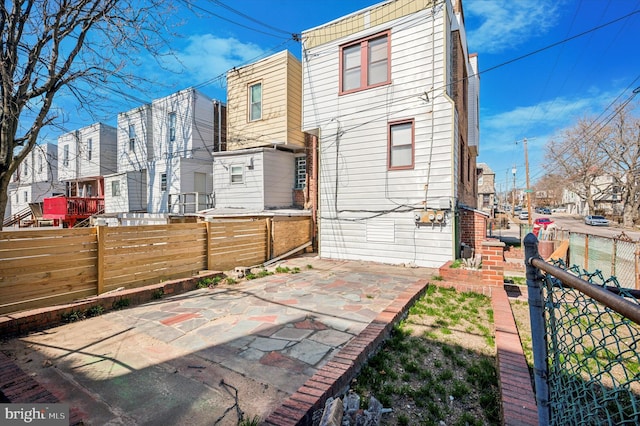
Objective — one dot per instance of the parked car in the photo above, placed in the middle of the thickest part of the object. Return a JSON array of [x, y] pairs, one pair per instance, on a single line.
[[543, 222], [545, 210], [596, 220], [523, 215]]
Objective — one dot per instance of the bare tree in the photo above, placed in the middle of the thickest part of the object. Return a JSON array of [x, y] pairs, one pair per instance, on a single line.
[[73, 46], [622, 150], [550, 186], [577, 159]]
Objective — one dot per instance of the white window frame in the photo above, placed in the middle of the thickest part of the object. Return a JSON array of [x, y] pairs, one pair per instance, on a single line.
[[300, 173], [172, 126], [115, 188], [65, 156], [233, 174], [132, 137], [163, 182], [254, 102], [89, 148]]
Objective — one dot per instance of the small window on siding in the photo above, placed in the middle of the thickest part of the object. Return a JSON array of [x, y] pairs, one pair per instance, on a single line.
[[89, 148], [40, 163], [401, 145], [115, 188], [132, 137], [301, 172], [26, 196], [255, 102], [26, 166], [65, 156], [237, 174], [172, 126], [163, 182]]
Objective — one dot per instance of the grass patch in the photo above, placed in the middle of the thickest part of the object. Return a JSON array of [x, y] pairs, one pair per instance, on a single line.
[[424, 376]]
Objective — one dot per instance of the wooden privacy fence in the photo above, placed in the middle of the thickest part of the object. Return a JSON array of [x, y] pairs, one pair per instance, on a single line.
[[47, 267]]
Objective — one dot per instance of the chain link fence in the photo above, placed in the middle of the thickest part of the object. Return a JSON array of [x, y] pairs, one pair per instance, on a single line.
[[617, 257], [586, 341]]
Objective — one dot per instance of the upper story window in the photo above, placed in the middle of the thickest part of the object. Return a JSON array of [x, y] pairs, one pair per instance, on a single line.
[[65, 156], [26, 167], [115, 188], [365, 63], [89, 149], [172, 126], [132, 137], [40, 163], [163, 182], [301, 172], [401, 145], [237, 174], [255, 102]]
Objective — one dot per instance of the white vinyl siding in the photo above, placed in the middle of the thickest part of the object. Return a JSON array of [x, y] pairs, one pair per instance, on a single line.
[[359, 194]]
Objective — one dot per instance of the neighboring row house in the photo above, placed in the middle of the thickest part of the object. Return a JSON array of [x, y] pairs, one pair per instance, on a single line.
[[35, 179], [375, 132], [265, 165], [164, 154], [391, 94]]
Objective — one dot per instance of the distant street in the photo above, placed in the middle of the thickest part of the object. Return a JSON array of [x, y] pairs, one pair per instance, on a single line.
[[575, 224]]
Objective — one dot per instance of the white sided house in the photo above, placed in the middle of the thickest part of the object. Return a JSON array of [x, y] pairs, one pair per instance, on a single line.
[[85, 156], [387, 90], [35, 179], [166, 149], [265, 166]]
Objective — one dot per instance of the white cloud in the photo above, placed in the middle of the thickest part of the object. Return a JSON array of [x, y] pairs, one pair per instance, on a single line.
[[206, 56], [505, 25]]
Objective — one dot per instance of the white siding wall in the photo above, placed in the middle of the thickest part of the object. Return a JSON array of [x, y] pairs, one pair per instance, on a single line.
[[68, 171], [133, 190], [248, 194], [279, 170], [366, 211], [137, 159], [35, 192], [194, 125]]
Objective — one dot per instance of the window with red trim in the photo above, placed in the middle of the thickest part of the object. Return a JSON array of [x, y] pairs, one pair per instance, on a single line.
[[365, 63], [401, 145]]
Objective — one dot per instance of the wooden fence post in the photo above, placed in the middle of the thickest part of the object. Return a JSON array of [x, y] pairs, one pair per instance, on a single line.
[[586, 252], [208, 245], [100, 235], [269, 223]]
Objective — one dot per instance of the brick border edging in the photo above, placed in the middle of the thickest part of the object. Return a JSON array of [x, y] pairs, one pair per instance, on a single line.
[[336, 374], [20, 323], [514, 380], [518, 398], [20, 388]]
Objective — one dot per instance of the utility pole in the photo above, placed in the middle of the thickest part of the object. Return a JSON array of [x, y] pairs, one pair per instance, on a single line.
[[513, 192], [526, 163]]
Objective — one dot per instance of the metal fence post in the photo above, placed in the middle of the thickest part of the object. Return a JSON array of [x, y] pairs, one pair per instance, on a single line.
[[538, 333]]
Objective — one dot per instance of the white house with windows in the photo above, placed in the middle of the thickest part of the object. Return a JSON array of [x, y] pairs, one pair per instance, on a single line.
[[265, 166], [35, 179], [166, 149], [388, 91], [85, 156]]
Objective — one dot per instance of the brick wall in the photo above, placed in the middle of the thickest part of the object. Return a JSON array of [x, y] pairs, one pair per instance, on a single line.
[[473, 227], [493, 263]]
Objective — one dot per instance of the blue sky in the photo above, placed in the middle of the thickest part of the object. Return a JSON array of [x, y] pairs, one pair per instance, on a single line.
[[534, 97]]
